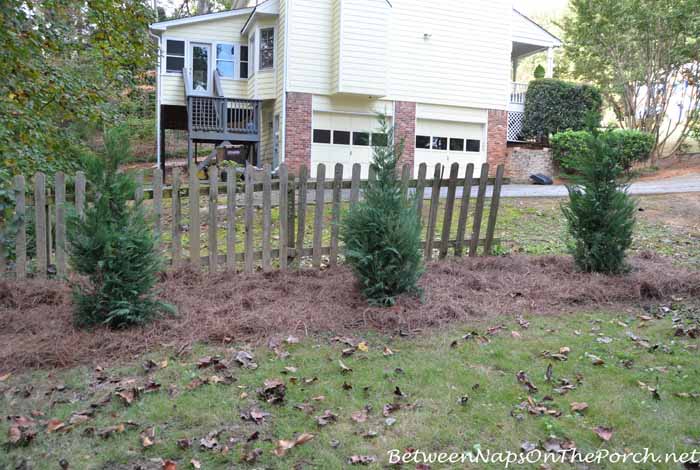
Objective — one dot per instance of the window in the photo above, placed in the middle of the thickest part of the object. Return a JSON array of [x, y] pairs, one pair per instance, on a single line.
[[251, 49], [360, 138], [243, 66], [422, 141], [379, 140], [174, 56], [456, 145], [225, 54], [341, 137], [473, 145], [439, 143], [267, 48], [322, 136]]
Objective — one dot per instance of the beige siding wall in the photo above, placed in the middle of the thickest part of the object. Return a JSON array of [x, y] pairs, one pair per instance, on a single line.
[[310, 46], [261, 86]]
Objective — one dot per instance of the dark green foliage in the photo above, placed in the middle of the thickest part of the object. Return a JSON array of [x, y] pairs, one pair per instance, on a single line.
[[382, 232], [539, 71], [113, 247], [629, 147], [600, 213], [553, 106]]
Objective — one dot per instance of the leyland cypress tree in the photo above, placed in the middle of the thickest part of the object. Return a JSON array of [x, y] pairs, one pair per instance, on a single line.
[[382, 232]]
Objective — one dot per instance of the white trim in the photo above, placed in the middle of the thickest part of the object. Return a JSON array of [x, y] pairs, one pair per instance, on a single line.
[[164, 25], [554, 42], [260, 29], [164, 55], [210, 71], [285, 85]]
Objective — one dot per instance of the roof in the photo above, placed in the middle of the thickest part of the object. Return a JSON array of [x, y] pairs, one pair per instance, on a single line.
[[163, 25], [267, 8], [527, 31]]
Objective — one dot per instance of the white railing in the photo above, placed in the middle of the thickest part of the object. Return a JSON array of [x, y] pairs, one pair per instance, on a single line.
[[517, 92]]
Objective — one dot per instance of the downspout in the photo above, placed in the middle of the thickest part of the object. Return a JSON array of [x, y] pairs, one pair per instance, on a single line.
[[158, 142], [281, 152]]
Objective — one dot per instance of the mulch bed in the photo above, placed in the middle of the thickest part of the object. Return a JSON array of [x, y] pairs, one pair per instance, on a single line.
[[36, 329]]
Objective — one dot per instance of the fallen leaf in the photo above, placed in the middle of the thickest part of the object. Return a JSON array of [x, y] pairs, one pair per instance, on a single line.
[[527, 447], [390, 421], [4, 377], [169, 465], [515, 335], [603, 432], [251, 456], [579, 406], [196, 464], [390, 408], [245, 359], [292, 339], [148, 437], [184, 444], [319, 398], [525, 380], [343, 368], [284, 445], [361, 459], [548, 373], [362, 346], [387, 351], [273, 391], [359, 416], [327, 417], [54, 425], [556, 445], [463, 400]]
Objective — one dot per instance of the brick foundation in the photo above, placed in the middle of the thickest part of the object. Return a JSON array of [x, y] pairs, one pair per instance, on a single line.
[[297, 137], [405, 129], [523, 162], [497, 135]]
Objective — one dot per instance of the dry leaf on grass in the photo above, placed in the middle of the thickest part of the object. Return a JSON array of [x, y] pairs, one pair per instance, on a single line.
[[603, 432], [284, 445]]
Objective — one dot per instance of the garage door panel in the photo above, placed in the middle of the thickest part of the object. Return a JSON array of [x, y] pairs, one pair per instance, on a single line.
[[450, 130]]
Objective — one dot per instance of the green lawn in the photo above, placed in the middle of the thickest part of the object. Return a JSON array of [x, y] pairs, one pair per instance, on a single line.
[[458, 395]]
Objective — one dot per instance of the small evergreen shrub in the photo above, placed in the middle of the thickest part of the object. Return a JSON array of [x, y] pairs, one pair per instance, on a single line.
[[629, 146], [539, 71], [382, 232], [600, 213], [553, 106], [113, 247]]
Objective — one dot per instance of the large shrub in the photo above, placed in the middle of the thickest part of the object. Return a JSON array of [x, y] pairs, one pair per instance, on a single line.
[[600, 213], [382, 232], [628, 146], [553, 106], [113, 247]]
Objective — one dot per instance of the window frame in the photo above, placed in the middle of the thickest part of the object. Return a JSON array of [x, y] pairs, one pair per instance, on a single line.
[[449, 144], [349, 134], [164, 65], [234, 60], [252, 52], [466, 145], [430, 141], [313, 135], [369, 137], [246, 61], [260, 48]]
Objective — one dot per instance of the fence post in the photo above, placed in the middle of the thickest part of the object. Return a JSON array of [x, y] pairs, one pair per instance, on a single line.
[[267, 218], [80, 194], [60, 184], [449, 208], [194, 216], [249, 251], [213, 245], [432, 217], [301, 216], [479, 210], [40, 224], [231, 219], [21, 239], [157, 200], [177, 216], [493, 212], [420, 190], [283, 215], [355, 184], [335, 217], [138, 195], [318, 215], [292, 212], [464, 209]]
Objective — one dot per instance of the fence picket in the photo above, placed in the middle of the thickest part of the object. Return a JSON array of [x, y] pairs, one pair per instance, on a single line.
[[479, 209], [464, 209], [283, 215], [301, 216], [405, 177], [138, 196], [157, 201], [212, 243], [60, 190], [249, 249], [335, 215], [420, 190], [449, 208], [231, 219], [318, 216], [21, 238], [355, 184], [267, 218], [177, 218], [493, 211], [291, 210], [40, 225], [432, 217], [194, 229], [80, 194]]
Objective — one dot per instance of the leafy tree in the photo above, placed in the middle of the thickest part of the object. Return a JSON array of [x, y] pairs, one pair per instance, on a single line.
[[382, 232], [644, 55], [600, 213], [113, 247]]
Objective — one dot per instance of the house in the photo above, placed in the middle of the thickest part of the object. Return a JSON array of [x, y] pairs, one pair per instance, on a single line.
[[301, 81]]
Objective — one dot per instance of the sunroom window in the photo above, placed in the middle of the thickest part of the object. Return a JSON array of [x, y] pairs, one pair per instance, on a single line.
[[267, 48], [174, 56], [243, 71], [225, 55]]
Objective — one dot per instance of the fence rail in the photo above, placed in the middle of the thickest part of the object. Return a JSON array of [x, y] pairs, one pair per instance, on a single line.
[[241, 221]]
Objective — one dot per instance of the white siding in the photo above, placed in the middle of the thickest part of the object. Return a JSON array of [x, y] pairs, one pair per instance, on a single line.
[[527, 32]]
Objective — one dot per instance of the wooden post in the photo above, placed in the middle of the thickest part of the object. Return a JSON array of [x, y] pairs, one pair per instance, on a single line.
[[157, 200], [420, 190], [21, 239], [301, 216], [138, 196], [493, 212], [60, 185], [432, 217], [291, 209], [231, 219], [449, 208], [249, 249], [40, 225], [405, 178], [80, 194], [318, 216], [464, 209], [177, 218], [283, 215], [213, 245], [195, 257], [267, 218], [355, 184], [335, 217], [479, 210]]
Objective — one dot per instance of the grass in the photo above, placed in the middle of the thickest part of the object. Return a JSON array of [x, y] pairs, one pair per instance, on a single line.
[[433, 370]]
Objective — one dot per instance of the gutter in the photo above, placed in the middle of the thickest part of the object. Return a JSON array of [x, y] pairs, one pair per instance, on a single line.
[[158, 133], [281, 152]]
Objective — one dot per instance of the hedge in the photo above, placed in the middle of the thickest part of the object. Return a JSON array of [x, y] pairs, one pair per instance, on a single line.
[[631, 146], [553, 106]]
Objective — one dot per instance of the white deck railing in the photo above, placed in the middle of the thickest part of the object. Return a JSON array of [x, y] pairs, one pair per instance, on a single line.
[[517, 92]]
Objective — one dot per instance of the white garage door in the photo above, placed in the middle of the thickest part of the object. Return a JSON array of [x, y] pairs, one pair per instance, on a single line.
[[447, 142], [343, 138]]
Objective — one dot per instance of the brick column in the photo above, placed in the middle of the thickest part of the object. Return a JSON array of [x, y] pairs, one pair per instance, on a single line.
[[497, 135], [405, 128], [297, 134]]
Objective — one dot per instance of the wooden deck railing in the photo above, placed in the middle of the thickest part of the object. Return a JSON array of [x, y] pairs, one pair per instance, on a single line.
[[237, 228]]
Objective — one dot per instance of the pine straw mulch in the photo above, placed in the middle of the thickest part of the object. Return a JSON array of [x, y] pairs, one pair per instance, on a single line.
[[36, 329]]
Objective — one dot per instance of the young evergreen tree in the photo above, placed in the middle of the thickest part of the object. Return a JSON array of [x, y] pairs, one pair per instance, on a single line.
[[113, 247], [382, 232], [600, 213]]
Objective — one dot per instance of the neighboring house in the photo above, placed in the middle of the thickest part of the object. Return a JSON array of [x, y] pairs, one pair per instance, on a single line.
[[301, 81]]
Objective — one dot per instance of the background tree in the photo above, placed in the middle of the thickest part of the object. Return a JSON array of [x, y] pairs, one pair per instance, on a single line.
[[644, 56]]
